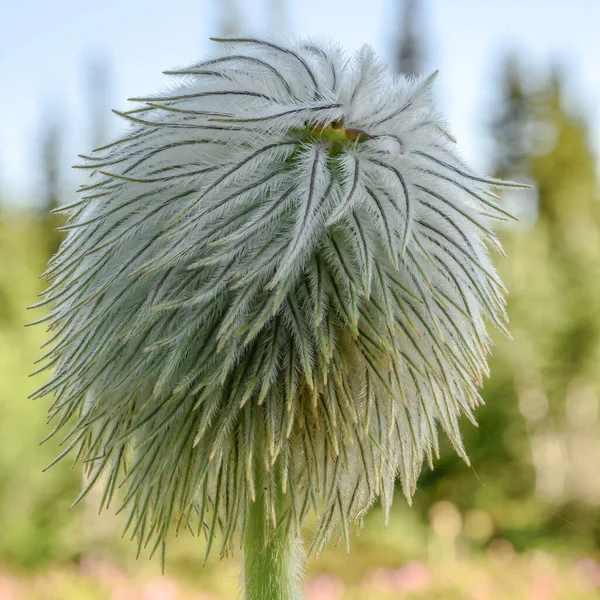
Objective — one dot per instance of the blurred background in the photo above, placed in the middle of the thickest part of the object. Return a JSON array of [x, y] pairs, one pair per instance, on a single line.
[[520, 83]]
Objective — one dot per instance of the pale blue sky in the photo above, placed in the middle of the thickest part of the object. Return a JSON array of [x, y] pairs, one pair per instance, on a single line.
[[44, 46]]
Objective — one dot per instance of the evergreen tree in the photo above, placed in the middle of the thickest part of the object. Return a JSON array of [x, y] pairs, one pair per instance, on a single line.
[[510, 128], [229, 13], [565, 169], [98, 91], [51, 143], [410, 54], [569, 210]]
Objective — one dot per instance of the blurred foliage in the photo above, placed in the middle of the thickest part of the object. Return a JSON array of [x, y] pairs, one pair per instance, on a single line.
[[534, 483], [536, 455]]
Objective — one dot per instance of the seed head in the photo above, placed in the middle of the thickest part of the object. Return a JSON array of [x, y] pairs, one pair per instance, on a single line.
[[284, 262]]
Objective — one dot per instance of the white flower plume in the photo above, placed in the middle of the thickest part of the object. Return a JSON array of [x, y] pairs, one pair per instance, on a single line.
[[284, 261]]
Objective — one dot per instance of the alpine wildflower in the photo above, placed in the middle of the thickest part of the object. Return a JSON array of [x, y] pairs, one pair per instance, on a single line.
[[273, 292]]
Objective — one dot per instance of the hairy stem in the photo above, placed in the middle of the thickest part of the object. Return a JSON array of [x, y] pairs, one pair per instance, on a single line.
[[272, 557]]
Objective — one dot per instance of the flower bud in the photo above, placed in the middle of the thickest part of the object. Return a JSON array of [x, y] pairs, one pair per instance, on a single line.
[[284, 262]]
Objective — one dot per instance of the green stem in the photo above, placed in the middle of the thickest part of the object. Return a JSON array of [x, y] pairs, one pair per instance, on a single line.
[[272, 559]]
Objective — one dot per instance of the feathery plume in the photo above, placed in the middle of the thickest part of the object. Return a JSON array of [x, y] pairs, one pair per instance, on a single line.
[[274, 289]]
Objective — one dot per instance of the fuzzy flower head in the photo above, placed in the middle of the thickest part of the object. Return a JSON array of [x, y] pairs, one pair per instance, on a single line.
[[283, 263]]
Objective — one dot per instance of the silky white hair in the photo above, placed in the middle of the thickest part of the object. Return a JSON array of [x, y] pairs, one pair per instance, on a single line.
[[285, 260]]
